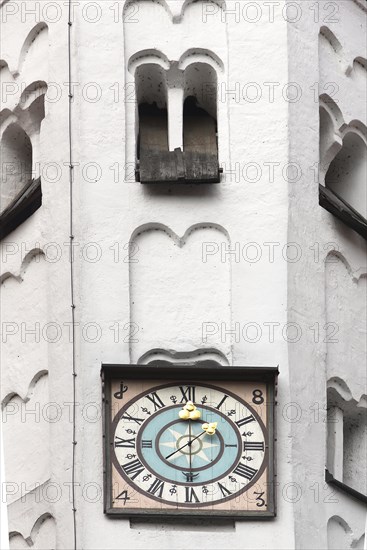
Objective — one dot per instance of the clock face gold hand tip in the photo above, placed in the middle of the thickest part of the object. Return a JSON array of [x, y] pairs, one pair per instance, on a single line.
[[210, 428]]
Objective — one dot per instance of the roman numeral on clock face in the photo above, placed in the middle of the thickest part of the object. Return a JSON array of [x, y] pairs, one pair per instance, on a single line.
[[253, 446], [191, 496], [146, 443], [188, 393], [245, 420], [190, 476], [224, 490], [127, 416], [245, 471], [129, 443], [156, 400], [156, 488], [133, 468], [221, 402]]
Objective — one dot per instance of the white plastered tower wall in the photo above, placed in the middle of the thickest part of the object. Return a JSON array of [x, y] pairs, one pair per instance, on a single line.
[[35, 293], [118, 221], [333, 266], [4, 540]]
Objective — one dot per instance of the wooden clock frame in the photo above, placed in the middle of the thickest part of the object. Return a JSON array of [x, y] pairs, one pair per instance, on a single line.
[[193, 372]]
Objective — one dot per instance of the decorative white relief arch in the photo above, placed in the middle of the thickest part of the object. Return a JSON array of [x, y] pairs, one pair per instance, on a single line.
[[184, 357], [23, 429], [42, 535], [330, 37], [347, 172], [332, 52], [36, 40], [360, 65], [18, 273], [176, 41], [25, 398], [200, 55], [151, 56], [346, 321], [24, 353], [20, 130], [174, 8], [330, 137], [343, 155], [361, 4], [340, 535], [30, 60], [32, 92], [179, 303]]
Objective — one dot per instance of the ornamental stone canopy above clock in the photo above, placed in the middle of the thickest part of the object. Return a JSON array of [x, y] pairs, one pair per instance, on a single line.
[[189, 439]]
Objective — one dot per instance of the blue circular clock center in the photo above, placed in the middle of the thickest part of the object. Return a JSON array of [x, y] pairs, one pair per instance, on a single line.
[[172, 456]]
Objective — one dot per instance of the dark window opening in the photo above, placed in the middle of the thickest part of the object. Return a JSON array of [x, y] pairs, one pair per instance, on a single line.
[[192, 122]]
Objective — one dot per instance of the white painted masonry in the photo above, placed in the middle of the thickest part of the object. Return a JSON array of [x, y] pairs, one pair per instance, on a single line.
[[250, 271]]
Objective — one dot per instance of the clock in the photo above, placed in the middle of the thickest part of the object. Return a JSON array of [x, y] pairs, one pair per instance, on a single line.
[[184, 439]]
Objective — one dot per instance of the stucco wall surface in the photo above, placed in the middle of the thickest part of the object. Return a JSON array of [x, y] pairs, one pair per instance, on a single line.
[[178, 272], [326, 287]]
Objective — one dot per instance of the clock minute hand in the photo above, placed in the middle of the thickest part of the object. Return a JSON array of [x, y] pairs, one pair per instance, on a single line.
[[186, 445], [209, 429]]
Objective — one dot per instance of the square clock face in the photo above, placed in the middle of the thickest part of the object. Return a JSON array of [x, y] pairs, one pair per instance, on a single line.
[[184, 440]]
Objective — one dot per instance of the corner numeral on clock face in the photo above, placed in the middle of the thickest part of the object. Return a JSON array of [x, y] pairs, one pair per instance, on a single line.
[[191, 496], [123, 496], [156, 400], [253, 446], [129, 443], [146, 443], [224, 490], [188, 394], [133, 468], [127, 416], [156, 487], [245, 420], [245, 471]]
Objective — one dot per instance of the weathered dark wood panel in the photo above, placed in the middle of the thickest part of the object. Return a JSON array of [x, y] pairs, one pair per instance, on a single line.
[[334, 204], [23, 206]]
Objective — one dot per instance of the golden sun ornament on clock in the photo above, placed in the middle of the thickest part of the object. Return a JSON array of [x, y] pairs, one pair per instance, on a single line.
[[189, 439]]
